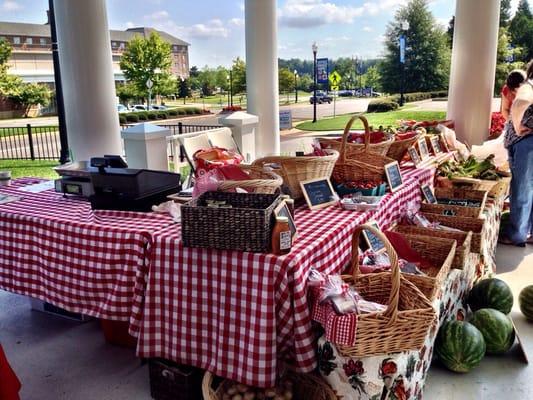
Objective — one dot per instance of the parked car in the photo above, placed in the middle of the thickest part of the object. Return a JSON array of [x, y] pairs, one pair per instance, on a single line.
[[346, 93], [138, 107], [121, 108], [321, 97], [158, 108], [377, 94]]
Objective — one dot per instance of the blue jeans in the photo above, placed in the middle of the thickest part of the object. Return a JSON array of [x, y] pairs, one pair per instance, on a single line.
[[521, 163]]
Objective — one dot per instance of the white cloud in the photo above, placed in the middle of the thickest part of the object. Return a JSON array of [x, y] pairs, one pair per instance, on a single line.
[[312, 13], [10, 5], [212, 29], [368, 29], [130, 24], [238, 22], [159, 15]]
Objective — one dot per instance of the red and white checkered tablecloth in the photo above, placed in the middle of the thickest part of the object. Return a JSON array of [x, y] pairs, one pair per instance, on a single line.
[[238, 314], [58, 250]]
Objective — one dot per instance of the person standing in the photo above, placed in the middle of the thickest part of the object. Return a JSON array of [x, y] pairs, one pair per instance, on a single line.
[[519, 144], [508, 94]]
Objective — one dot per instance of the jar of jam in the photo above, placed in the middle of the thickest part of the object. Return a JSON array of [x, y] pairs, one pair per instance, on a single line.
[[281, 236], [290, 204]]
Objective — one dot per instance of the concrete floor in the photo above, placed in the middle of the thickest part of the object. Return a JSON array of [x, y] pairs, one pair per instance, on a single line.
[[57, 359]]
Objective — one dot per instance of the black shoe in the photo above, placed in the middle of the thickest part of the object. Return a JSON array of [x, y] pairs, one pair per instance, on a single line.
[[506, 240]]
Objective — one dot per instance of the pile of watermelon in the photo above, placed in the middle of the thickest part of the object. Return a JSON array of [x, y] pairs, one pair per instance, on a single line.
[[462, 345]]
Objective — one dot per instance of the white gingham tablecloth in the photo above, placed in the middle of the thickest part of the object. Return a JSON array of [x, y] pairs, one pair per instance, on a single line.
[[58, 250], [239, 314]]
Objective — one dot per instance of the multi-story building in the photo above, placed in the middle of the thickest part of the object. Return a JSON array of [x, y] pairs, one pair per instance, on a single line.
[[31, 56]]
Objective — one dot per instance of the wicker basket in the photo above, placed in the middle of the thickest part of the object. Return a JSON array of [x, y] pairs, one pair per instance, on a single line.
[[305, 387], [366, 165], [403, 326], [465, 224], [456, 210], [496, 189], [294, 170], [247, 226], [170, 381], [440, 253], [353, 149], [261, 181], [464, 240], [399, 148]]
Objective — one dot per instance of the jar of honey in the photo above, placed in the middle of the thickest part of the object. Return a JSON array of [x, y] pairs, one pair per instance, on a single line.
[[281, 236]]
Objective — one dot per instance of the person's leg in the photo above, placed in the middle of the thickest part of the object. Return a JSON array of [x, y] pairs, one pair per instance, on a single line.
[[521, 190]]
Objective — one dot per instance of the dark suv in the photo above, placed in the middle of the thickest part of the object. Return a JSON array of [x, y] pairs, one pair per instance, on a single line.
[[321, 97]]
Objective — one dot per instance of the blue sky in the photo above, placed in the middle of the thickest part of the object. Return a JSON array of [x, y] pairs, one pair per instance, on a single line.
[[215, 28]]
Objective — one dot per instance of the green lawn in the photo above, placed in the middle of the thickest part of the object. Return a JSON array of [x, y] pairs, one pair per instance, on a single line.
[[374, 119], [238, 99], [21, 168], [22, 130]]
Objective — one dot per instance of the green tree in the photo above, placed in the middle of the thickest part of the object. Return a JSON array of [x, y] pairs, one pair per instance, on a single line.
[[286, 80], [372, 78], [503, 63], [5, 53], [450, 30], [239, 76], [221, 78], [505, 13], [184, 89], [305, 82], [427, 56], [524, 9], [128, 92], [148, 58], [521, 30]]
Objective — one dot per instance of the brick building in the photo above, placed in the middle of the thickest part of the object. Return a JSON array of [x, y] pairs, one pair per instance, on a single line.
[[31, 56]]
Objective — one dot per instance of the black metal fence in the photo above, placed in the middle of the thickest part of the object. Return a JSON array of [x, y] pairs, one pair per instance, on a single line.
[[29, 143], [42, 142]]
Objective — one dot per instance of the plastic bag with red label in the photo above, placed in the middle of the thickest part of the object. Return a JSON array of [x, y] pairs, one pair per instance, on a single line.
[[213, 158]]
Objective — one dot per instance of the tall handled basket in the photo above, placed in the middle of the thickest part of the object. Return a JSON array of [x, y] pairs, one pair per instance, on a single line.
[[404, 324]]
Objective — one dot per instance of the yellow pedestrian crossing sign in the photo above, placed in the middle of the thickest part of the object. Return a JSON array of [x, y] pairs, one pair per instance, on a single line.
[[334, 80]]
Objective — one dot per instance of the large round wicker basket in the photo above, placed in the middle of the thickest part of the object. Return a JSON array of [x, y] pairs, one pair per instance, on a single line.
[[261, 181], [294, 170]]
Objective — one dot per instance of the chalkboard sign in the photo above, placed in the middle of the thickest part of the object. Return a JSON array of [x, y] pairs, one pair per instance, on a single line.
[[375, 243], [428, 194], [394, 176], [415, 157], [318, 193], [423, 148], [283, 211], [435, 144]]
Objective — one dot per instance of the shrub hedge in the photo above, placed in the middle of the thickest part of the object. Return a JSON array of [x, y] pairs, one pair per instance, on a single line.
[[134, 117], [382, 105]]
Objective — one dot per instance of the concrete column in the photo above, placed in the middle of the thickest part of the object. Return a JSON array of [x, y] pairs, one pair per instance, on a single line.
[[262, 73], [87, 76], [475, 44], [243, 126]]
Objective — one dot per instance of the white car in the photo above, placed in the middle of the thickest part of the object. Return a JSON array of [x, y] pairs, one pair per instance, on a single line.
[[121, 108], [138, 107]]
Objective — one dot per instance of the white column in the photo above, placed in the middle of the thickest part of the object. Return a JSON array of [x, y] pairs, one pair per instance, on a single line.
[[262, 73], [475, 44], [87, 76]]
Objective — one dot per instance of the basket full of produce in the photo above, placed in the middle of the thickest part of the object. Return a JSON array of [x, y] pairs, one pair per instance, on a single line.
[[457, 201]]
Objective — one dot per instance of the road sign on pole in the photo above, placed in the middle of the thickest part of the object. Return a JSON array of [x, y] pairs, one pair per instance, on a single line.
[[334, 80]]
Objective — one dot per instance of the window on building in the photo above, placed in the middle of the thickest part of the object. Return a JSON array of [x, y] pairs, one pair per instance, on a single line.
[[16, 40], [42, 41], [114, 44], [122, 45], [29, 40]]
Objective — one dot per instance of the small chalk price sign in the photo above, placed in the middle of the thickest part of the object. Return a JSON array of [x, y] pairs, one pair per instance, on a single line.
[[435, 144], [318, 193], [415, 157], [428, 194], [374, 243], [394, 176], [423, 148]]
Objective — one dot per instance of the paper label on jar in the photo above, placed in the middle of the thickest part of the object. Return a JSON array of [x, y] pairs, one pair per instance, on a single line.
[[285, 240]]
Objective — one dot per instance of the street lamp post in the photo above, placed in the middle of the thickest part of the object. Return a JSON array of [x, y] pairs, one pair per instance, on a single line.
[[296, 86], [149, 85], [231, 85], [404, 28], [183, 89], [314, 47]]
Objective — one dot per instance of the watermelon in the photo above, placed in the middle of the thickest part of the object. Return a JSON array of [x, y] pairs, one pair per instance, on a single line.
[[491, 293], [525, 299], [460, 346], [496, 328]]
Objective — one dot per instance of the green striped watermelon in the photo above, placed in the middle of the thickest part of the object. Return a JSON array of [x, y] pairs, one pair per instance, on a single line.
[[525, 300], [491, 293], [496, 328], [460, 346]]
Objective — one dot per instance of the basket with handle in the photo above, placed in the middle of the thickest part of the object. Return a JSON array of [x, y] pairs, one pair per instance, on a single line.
[[352, 149], [399, 148], [463, 239], [294, 170], [361, 165], [304, 387], [404, 324], [261, 181]]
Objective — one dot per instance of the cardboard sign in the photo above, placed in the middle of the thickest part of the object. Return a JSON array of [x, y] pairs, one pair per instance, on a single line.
[[374, 243], [285, 119], [283, 211], [415, 157], [423, 148], [435, 144], [394, 176], [318, 193], [428, 194], [520, 345]]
